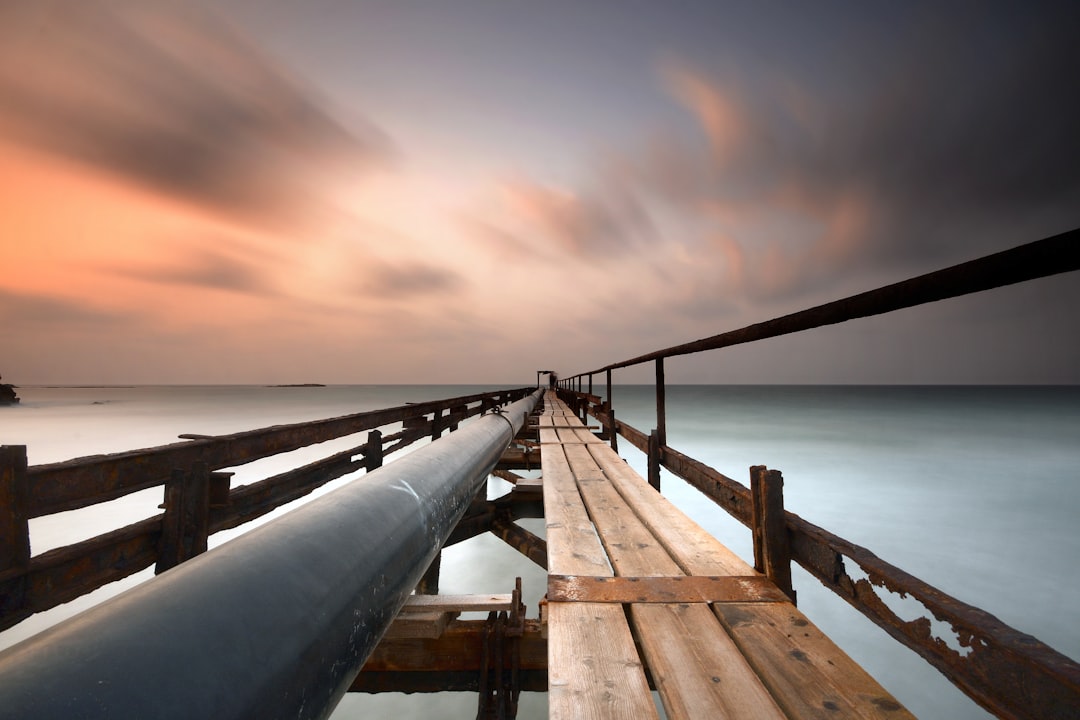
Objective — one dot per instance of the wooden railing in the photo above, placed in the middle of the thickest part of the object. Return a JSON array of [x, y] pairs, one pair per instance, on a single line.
[[1008, 672], [198, 499]]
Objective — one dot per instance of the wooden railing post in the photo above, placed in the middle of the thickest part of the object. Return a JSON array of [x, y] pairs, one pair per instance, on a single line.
[[772, 551], [14, 526], [456, 414], [613, 432], [654, 459], [436, 424], [612, 427], [661, 402], [373, 451], [186, 524]]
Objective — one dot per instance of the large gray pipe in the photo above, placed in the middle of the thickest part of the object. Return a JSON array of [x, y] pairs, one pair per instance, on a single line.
[[274, 624]]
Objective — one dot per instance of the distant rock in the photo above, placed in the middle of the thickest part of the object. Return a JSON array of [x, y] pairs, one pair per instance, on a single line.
[[7, 394], [300, 385]]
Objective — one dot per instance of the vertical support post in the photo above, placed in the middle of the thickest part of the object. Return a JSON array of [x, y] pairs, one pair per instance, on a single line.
[[436, 424], [14, 523], [186, 524], [654, 459], [661, 402], [590, 383], [429, 582], [373, 451], [456, 413], [772, 551], [612, 426]]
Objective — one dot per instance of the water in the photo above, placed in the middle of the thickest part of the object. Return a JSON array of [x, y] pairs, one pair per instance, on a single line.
[[973, 489]]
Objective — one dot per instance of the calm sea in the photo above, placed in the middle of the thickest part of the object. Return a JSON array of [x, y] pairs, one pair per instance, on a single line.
[[976, 490]]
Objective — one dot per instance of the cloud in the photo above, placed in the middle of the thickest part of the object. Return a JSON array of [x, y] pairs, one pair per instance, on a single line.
[[206, 268], [165, 96], [552, 221], [409, 279], [24, 312], [793, 188]]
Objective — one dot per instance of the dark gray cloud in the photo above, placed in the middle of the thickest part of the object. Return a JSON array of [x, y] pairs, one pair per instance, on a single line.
[[406, 280], [22, 311], [964, 121], [955, 137], [205, 268], [165, 96]]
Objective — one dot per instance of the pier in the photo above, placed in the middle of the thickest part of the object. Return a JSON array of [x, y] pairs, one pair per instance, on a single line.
[[342, 594]]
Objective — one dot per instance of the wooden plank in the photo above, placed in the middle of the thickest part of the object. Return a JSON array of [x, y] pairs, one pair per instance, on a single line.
[[693, 549], [808, 675], [419, 624], [825, 677], [458, 603], [529, 485], [678, 589], [573, 548], [695, 665], [593, 666], [460, 647]]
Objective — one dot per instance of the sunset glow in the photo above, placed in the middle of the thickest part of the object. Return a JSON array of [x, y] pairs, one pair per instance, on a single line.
[[368, 193]]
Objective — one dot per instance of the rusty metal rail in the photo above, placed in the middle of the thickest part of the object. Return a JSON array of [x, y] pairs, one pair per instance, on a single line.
[[1039, 259], [1007, 672]]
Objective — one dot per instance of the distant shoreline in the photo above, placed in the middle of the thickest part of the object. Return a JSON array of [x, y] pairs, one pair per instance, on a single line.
[[298, 385]]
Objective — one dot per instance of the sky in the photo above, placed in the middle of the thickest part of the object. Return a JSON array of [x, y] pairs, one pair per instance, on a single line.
[[466, 191]]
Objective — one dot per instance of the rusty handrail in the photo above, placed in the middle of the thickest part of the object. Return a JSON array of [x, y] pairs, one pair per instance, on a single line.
[[1039, 259]]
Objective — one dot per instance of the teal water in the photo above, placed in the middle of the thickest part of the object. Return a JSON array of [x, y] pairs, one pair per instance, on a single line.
[[976, 490]]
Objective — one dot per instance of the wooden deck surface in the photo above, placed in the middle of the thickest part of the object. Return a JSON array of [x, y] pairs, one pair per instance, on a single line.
[[749, 653]]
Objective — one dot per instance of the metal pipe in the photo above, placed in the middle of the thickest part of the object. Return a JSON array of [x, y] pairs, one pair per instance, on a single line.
[[276, 623]]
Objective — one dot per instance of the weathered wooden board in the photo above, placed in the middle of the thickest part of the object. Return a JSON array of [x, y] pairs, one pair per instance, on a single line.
[[805, 670], [678, 589], [458, 603], [419, 624], [694, 664], [593, 666], [689, 545], [806, 681]]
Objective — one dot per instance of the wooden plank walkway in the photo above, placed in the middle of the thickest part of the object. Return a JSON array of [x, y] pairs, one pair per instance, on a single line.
[[637, 587]]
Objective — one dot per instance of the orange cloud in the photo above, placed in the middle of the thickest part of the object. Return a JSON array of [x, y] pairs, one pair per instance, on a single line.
[[164, 96], [721, 114]]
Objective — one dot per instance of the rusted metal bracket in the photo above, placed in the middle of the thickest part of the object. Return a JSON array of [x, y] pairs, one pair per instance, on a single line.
[[500, 684], [671, 589]]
